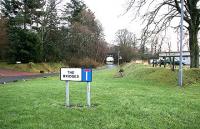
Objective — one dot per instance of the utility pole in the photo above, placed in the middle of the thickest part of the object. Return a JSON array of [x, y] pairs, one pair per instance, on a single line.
[[0, 8], [25, 13], [118, 57], [180, 76]]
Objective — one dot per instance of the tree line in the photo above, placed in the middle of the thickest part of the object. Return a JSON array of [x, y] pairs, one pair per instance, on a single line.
[[129, 47], [160, 15], [37, 31]]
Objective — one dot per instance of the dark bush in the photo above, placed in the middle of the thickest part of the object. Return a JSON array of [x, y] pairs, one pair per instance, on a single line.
[[121, 70], [41, 71]]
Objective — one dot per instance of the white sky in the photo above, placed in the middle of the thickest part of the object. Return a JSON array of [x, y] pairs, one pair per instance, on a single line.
[[109, 13]]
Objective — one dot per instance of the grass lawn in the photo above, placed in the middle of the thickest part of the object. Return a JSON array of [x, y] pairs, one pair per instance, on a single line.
[[140, 100]]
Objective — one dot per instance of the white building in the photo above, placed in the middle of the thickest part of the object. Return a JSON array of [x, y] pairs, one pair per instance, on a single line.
[[176, 55]]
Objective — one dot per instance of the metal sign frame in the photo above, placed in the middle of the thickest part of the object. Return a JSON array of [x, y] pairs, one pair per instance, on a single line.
[[84, 76]]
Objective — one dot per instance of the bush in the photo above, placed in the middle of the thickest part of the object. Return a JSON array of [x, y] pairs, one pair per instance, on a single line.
[[41, 71], [30, 65], [121, 70], [74, 62], [86, 62]]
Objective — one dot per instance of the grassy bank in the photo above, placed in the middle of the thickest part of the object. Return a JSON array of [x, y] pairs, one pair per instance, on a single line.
[[141, 99], [33, 67], [161, 75]]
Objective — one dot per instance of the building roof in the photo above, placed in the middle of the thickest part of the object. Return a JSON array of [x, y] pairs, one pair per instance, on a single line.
[[174, 54]]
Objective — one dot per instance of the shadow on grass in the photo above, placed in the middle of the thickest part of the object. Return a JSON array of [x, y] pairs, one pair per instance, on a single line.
[[81, 106]]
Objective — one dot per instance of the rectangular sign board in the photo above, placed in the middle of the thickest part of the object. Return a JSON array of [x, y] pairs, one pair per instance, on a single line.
[[71, 74], [86, 75]]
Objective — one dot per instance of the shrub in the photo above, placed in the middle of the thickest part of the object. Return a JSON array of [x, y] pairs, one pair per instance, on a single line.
[[30, 65], [74, 62], [121, 70], [86, 62], [41, 71]]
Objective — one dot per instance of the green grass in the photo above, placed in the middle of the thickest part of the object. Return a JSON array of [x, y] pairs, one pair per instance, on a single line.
[[140, 100]]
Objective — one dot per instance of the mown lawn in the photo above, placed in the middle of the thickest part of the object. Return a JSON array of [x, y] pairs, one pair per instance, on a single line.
[[117, 103]]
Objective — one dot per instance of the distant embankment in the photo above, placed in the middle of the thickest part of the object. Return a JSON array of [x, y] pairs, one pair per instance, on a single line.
[[33, 67], [160, 75]]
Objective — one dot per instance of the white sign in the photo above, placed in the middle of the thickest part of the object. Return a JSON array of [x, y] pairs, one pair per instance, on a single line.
[[70, 74]]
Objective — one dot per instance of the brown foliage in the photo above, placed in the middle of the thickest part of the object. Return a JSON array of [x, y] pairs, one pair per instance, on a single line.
[[86, 62]]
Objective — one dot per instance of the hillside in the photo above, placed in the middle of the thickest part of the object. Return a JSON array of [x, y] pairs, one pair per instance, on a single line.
[[161, 75]]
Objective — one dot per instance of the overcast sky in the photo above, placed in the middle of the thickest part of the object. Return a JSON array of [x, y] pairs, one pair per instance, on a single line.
[[109, 13]]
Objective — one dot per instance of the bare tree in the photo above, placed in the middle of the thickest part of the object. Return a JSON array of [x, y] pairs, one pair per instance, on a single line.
[[125, 40], [125, 37], [160, 15], [169, 45]]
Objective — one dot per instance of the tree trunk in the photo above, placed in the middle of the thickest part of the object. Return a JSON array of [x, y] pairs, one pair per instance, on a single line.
[[194, 48]]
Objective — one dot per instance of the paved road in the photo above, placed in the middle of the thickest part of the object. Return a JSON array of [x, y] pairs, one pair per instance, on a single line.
[[7, 76], [17, 78]]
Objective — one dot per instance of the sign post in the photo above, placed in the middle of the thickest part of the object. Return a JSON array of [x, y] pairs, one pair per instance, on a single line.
[[76, 74], [87, 77], [88, 94], [67, 94], [180, 75]]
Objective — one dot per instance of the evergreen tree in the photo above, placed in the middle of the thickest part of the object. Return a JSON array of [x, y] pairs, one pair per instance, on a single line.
[[23, 41], [51, 38], [85, 36], [73, 10], [25, 46]]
